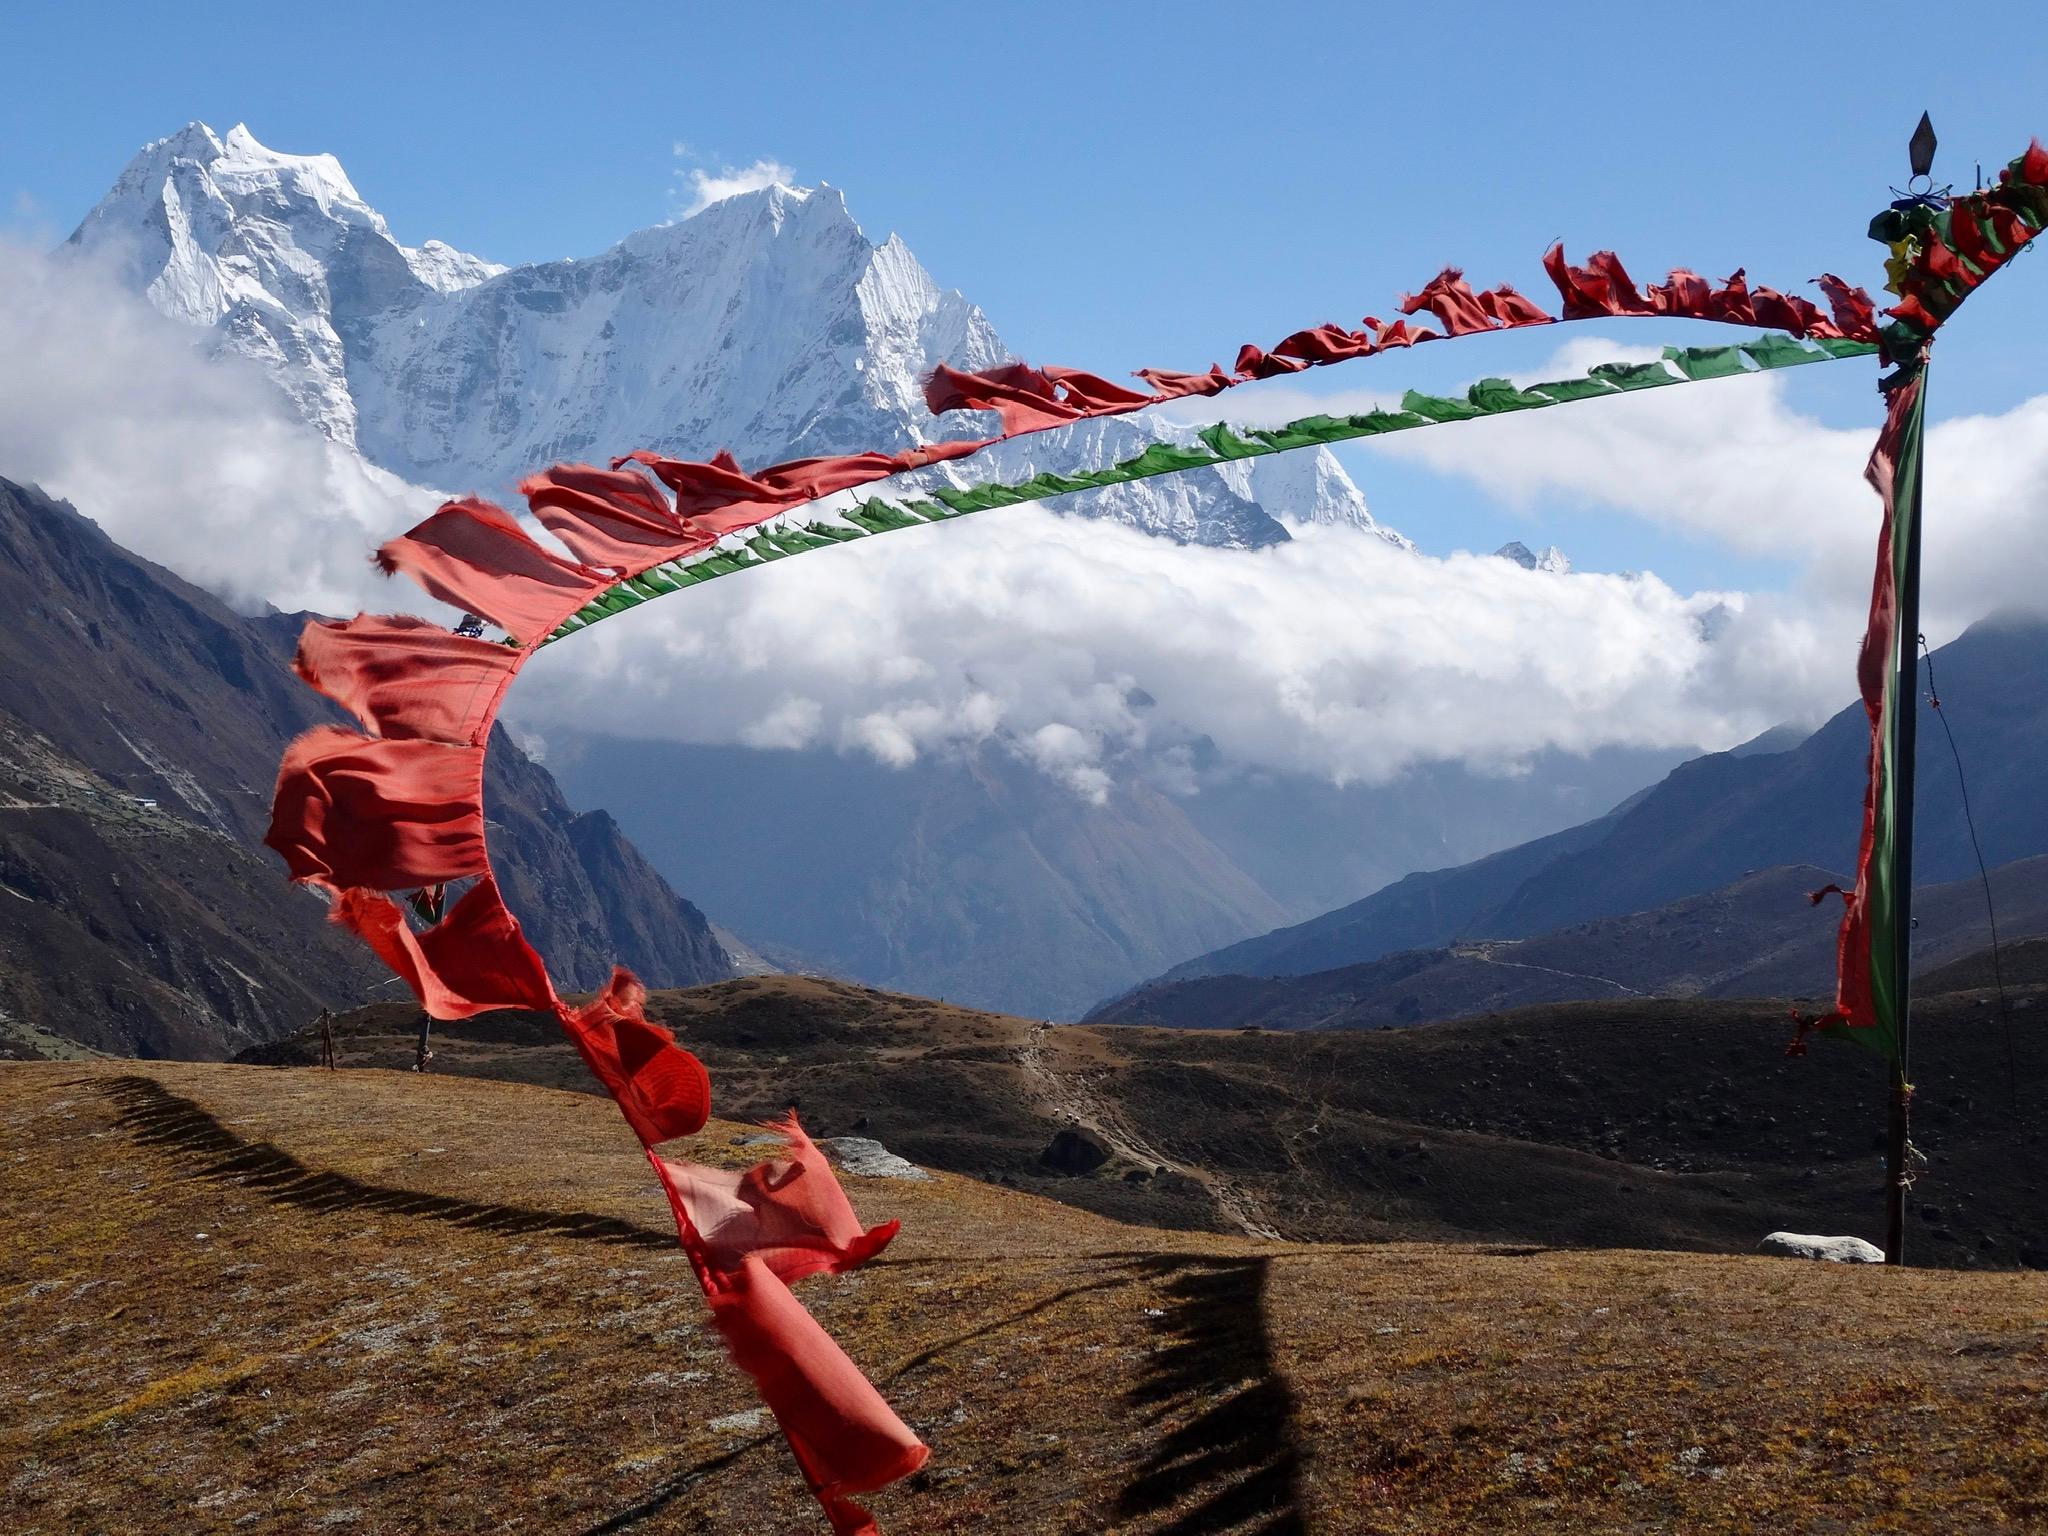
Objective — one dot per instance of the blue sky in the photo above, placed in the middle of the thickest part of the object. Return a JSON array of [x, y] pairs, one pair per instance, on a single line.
[[1119, 185]]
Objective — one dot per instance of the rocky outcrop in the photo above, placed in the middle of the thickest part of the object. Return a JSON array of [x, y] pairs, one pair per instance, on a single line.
[[1825, 1250], [141, 723]]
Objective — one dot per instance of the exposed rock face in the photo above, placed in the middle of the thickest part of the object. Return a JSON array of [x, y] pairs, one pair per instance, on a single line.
[[869, 1159], [1074, 1150], [1553, 560], [141, 724], [1826, 1250]]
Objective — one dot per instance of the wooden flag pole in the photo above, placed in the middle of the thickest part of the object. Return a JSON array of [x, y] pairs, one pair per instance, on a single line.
[[1905, 731]]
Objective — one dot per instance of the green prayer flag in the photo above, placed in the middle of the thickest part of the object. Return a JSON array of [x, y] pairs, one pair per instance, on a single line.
[[1706, 362], [1634, 375], [1439, 407]]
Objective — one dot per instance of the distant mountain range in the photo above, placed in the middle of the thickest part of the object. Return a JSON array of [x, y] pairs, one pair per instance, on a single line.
[[141, 724], [981, 881], [1633, 887], [1758, 937], [768, 324], [771, 325]]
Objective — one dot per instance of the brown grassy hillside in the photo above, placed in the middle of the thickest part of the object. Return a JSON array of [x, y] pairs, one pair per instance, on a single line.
[[1641, 1123], [281, 1301]]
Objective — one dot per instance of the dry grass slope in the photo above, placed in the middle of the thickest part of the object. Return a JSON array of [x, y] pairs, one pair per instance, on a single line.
[[256, 1300], [1645, 1123]]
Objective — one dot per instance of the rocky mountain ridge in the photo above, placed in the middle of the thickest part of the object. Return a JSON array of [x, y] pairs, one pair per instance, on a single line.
[[1760, 936], [141, 724], [1782, 800], [767, 324]]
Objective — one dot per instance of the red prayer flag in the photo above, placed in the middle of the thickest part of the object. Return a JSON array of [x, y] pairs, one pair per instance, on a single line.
[[1325, 343], [406, 678], [846, 1438], [609, 517], [1856, 1001], [472, 554], [1451, 299], [472, 961], [351, 810], [1176, 386], [1855, 312], [792, 1215], [1021, 395], [661, 1089], [1095, 395], [1510, 308], [1256, 363]]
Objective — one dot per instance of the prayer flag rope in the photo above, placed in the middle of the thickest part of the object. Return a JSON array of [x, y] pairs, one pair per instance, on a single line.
[[787, 535], [397, 805]]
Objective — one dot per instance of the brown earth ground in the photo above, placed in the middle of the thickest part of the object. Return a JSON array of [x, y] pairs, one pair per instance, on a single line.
[[268, 1300], [1640, 1123]]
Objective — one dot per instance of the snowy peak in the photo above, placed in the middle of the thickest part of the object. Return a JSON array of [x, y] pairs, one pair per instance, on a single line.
[[447, 270], [247, 168], [766, 323], [1307, 488], [272, 251], [1552, 560]]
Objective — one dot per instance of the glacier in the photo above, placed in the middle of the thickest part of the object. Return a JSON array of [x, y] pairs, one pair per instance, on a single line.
[[767, 324]]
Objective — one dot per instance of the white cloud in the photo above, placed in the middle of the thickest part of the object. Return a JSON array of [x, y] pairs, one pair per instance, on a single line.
[[705, 187], [1088, 649], [1732, 462], [193, 462], [1082, 644], [1336, 654]]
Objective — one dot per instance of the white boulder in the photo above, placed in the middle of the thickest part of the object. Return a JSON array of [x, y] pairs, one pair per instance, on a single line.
[[868, 1159], [1828, 1250]]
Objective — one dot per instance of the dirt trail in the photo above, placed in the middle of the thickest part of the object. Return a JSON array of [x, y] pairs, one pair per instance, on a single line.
[[1485, 953], [1067, 1097]]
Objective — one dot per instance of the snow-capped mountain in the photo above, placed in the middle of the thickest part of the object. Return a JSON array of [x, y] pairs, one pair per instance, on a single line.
[[1552, 560], [277, 253], [767, 324]]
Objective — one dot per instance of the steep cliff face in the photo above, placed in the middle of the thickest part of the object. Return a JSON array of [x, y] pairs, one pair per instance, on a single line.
[[587, 899], [140, 727]]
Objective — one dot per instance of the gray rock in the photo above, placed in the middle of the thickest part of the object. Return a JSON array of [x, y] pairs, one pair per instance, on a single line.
[[1828, 1250], [1073, 1151], [869, 1159]]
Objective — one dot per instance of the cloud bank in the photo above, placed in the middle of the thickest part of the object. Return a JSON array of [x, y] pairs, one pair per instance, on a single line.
[[194, 462], [1086, 648]]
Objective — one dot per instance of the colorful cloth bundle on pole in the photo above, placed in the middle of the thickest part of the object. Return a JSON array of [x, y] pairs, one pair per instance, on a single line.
[[1866, 959], [1940, 255], [397, 806]]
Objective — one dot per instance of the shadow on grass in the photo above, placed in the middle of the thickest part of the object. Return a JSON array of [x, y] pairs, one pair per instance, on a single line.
[[156, 1117], [674, 1488], [1231, 1445], [1232, 1441]]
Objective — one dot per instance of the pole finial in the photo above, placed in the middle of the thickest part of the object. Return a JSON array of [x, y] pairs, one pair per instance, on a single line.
[[1921, 147]]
